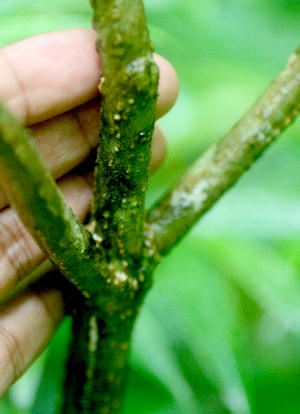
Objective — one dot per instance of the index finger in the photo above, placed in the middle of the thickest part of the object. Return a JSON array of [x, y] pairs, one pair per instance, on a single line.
[[49, 74]]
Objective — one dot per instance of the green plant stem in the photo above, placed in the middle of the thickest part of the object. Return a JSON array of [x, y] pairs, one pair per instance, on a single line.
[[97, 368], [42, 207], [113, 264], [129, 92], [111, 293], [95, 379], [222, 165]]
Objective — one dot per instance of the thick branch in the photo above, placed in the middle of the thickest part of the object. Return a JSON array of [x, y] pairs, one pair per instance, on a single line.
[[97, 368], [42, 207], [222, 165], [102, 328], [129, 91]]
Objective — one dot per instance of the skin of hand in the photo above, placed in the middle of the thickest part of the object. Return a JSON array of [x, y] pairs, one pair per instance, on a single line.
[[49, 82]]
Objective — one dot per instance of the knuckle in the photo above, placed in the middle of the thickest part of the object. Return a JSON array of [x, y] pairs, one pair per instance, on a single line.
[[15, 252], [11, 357]]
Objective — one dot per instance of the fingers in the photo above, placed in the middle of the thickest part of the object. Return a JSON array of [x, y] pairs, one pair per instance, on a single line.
[[19, 254], [48, 74], [168, 86], [26, 326], [159, 148], [51, 73], [66, 140]]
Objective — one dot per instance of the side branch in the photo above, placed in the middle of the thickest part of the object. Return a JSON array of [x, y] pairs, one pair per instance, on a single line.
[[223, 164], [41, 206]]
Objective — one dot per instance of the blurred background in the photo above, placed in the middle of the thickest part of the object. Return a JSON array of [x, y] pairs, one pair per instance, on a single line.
[[220, 330]]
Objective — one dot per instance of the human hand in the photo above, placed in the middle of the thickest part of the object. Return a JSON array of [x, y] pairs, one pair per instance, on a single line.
[[49, 82]]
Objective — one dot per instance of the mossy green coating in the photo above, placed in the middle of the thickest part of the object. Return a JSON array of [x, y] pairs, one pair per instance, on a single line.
[[128, 86], [97, 369]]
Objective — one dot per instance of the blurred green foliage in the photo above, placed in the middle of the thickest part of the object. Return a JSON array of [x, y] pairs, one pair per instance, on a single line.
[[220, 331]]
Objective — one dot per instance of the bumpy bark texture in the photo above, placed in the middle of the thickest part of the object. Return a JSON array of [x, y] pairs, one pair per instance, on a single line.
[[224, 163], [97, 369]]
